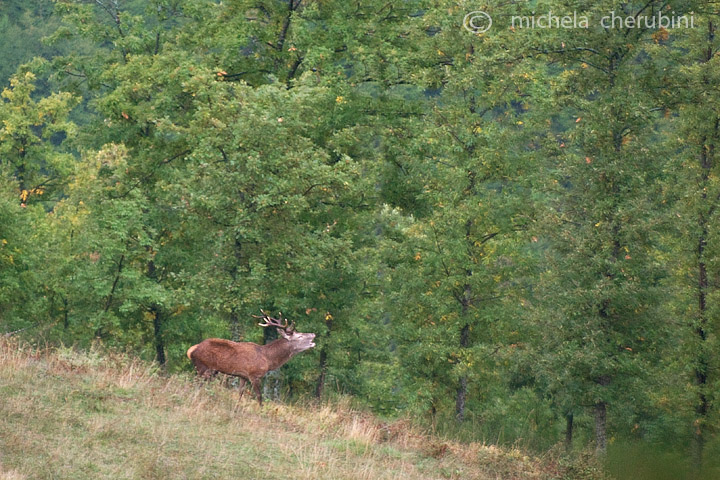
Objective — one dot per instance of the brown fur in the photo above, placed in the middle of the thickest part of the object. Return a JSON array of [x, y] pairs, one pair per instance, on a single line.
[[190, 350], [247, 360]]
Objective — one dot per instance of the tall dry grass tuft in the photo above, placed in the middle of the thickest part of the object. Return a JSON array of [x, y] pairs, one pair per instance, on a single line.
[[14, 354]]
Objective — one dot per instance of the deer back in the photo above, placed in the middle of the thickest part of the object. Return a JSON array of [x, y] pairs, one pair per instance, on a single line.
[[245, 359]]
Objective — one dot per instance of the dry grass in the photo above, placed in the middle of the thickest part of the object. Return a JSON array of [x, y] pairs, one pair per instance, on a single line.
[[65, 414]]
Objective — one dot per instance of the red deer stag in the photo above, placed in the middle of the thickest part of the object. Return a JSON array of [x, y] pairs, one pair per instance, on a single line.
[[247, 360]]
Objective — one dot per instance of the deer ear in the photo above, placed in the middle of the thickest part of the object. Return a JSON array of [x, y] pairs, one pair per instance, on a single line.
[[283, 333]]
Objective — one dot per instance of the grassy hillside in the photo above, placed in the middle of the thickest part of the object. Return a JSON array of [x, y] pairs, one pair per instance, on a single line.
[[65, 414]]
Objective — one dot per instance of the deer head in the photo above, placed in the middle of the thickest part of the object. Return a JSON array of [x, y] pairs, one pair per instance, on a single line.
[[299, 342]]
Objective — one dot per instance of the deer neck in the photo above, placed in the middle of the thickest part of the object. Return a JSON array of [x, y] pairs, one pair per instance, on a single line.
[[278, 352]]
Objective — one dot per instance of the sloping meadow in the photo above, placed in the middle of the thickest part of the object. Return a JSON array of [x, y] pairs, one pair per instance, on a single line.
[[70, 414]]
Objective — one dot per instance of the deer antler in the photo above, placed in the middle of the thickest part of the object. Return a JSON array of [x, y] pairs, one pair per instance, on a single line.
[[269, 321], [288, 328]]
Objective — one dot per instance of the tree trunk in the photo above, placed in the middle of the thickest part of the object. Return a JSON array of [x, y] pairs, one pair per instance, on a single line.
[[66, 313], [460, 399], [569, 424], [701, 362], [158, 334], [601, 428], [320, 387], [465, 302], [271, 385], [156, 313], [20, 175], [461, 394], [600, 411], [234, 325], [707, 154], [235, 276]]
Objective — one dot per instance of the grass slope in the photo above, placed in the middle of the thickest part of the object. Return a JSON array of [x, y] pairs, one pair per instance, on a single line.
[[73, 415]]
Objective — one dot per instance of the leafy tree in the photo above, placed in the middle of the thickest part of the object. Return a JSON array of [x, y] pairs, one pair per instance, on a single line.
[[462, 156], [31, 131], [692, 135], [136, 102], [603, 280], [34, 166]]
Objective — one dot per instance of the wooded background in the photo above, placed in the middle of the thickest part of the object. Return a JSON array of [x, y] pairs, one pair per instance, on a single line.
[[512, 236]]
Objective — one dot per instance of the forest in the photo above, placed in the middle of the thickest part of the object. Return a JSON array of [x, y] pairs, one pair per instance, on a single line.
[[506, 229]]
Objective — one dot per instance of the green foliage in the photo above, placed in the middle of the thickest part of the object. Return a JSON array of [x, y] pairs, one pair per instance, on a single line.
[[34, 166], [23, 24], [508, 234], [30, 134]]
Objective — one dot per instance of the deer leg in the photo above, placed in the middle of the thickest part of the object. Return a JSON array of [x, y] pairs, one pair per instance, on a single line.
[[256, 387], [241, 385]]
